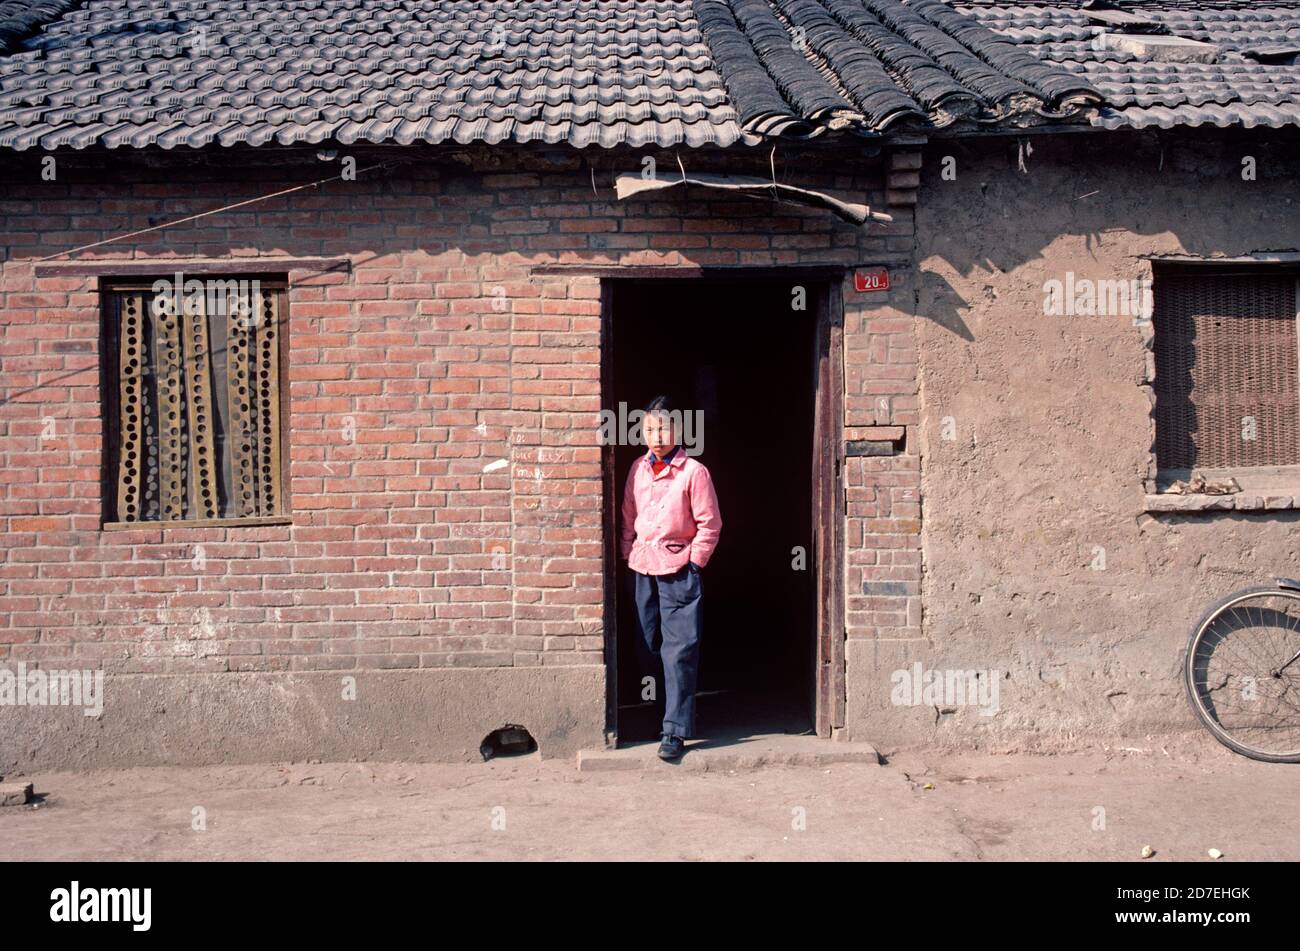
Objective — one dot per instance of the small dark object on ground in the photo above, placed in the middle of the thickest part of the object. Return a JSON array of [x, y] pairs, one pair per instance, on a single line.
[[511, 740]]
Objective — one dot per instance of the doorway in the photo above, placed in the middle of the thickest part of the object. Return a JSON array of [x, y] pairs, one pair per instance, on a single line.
[[747, 356]]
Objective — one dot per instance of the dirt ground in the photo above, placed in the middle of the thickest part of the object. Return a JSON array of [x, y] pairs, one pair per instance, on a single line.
[[1103, 806]]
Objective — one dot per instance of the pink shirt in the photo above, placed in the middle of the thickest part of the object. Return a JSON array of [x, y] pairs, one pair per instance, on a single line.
[[669, 518]]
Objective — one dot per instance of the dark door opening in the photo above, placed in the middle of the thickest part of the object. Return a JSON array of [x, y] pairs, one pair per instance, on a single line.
[[741, 355]]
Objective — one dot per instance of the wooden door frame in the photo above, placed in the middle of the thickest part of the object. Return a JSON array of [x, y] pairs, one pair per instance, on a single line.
[[828, 510], [827, 489], [609, 519]]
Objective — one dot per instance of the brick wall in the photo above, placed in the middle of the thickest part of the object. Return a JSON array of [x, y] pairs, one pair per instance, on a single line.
[[442, 351], [882, 493]]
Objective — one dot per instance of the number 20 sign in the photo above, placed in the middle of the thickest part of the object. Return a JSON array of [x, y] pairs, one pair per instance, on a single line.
[[874, 280]]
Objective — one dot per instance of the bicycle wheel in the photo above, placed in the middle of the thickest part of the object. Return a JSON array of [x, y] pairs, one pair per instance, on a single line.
[[1242, 673]]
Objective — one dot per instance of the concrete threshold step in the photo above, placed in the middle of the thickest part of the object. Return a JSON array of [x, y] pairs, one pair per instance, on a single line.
[[15, 794], [748, 752]]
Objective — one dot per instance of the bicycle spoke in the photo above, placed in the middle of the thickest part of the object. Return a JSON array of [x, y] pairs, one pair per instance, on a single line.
[[1240, 675]]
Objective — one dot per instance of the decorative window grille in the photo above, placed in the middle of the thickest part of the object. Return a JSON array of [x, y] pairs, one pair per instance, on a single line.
[[195, 400]]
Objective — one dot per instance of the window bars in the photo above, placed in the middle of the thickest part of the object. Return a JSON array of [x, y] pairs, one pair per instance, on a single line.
[[1227, 380], [197, 423]]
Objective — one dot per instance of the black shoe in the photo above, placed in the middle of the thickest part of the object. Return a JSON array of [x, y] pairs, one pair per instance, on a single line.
[[672, 747]]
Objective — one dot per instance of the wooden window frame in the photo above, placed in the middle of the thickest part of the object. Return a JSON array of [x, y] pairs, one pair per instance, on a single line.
[[1237, 271], [110, 405], [1262, 487]]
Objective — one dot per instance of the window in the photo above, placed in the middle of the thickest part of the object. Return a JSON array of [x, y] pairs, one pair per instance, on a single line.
[[193, 370], [1227, 375]]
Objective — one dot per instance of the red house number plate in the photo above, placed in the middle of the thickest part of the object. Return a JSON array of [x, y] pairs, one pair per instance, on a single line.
[[877, 280]]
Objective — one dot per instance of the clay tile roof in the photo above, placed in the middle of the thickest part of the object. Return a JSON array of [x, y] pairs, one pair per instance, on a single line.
[[191, 73], [800, 66], [606, 73], [1245, 73]]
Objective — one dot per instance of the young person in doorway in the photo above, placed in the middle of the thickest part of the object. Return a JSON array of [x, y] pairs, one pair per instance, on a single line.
[[671, 526]]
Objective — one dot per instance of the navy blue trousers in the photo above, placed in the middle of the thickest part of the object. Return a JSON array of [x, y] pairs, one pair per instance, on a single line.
[[670, 620]]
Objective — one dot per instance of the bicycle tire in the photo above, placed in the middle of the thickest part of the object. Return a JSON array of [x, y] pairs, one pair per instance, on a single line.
[[1189, 675]]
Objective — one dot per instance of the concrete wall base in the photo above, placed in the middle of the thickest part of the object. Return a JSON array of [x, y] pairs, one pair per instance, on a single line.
[[886, 709], [434, 715]]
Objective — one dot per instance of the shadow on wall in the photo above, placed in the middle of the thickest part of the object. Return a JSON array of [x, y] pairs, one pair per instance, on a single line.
[[1184, 191]]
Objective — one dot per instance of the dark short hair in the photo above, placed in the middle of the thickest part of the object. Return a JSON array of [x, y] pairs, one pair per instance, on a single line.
[[660, 404]]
